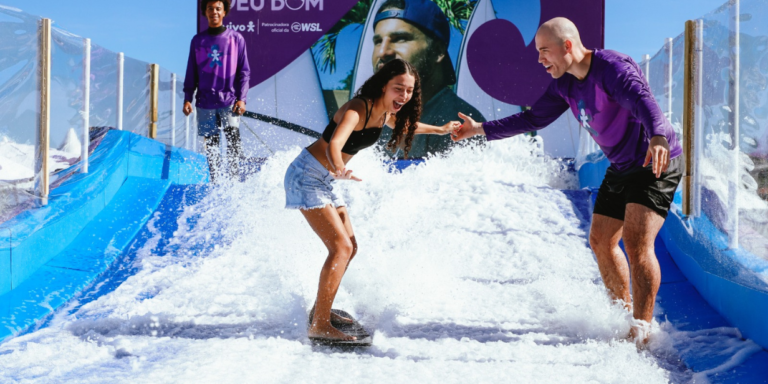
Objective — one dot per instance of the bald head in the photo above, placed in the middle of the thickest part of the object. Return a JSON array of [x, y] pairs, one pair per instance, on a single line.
[[559, 30], [560, 48]]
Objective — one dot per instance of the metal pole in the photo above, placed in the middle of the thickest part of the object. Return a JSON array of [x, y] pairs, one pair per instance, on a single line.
[[698, 136], [734, 180], [196, 134], [688, 101], [86, 102], [120, 77], [154, 80], [173, 109], [44, 124], [647, 68], [186, 132], [669, 80]]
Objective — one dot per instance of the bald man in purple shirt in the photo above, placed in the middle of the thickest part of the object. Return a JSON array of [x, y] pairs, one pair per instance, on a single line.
[[608, 94]]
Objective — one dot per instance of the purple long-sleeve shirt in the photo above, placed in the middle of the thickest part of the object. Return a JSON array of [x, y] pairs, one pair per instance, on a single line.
[[218, 69], [613, 103]]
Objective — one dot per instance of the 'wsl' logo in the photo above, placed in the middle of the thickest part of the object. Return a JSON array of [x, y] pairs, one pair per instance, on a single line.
[[306, 27]]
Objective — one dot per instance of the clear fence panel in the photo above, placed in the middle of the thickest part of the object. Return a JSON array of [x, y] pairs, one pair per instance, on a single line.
[[103, 87], [730, 178], [183, 136], [658, 78], [18, 108], [753, 127], [164, 107], [66, 136], [678, 85], [136, 96]]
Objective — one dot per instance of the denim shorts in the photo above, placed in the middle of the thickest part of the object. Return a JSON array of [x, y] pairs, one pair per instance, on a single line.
[[210, 121], [308, 184]]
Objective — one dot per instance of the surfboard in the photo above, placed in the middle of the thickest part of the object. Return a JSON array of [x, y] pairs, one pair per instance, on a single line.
[[364, 338]]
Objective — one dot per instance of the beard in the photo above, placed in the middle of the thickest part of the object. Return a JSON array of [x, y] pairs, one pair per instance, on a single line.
[[424, 61]]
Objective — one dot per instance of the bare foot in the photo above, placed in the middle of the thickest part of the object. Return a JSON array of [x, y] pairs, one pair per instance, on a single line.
[[328, 332], [335, 318], [640, 332]]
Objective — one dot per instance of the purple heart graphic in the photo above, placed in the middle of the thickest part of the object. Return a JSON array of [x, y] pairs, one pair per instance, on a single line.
[[502, 66], [509, 71]]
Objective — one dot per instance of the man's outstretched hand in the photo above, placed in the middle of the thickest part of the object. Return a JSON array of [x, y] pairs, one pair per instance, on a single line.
[[658, 150], [468, 128]]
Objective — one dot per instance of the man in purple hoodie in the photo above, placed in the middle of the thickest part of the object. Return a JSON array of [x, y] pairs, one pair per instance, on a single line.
[[218, 69], [608, 94]]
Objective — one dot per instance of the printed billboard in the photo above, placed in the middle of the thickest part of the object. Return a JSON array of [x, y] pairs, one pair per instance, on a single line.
[[308, 57]]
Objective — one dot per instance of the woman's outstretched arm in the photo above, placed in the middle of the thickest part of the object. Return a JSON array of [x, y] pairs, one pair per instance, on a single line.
[[349, 120]]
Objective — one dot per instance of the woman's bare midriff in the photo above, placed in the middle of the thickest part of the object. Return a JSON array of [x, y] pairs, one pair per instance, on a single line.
[[318, 150]]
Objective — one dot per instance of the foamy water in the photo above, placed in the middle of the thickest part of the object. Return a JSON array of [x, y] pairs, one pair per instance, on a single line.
[[473, 268]]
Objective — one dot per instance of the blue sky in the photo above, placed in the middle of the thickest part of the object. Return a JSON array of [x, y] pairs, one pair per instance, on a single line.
[[160, 31]]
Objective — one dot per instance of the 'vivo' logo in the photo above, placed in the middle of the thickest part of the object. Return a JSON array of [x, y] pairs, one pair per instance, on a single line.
[[306, 27], [277, 5]]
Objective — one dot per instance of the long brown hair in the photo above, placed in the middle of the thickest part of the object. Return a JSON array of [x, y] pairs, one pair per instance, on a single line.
[[409, 114]]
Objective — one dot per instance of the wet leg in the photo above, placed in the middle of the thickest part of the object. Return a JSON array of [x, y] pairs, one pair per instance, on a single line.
[[213, 153], [641, 226], [604, 239], [330, 228], [234, 151], [344, 215]]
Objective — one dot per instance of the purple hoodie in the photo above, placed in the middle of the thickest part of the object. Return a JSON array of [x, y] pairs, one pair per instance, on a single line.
[[613, 103], [218, 69]]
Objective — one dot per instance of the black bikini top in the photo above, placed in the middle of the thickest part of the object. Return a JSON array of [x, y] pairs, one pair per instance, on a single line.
[[357, 140]]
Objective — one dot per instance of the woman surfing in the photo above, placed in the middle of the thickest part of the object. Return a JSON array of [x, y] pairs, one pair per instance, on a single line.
[[392, 96]]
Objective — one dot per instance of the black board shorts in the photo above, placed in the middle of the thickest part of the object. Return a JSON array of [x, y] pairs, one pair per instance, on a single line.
[[640, 186]]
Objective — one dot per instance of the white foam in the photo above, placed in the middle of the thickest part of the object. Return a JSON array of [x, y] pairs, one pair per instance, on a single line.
[[472, 268], [17, 160]]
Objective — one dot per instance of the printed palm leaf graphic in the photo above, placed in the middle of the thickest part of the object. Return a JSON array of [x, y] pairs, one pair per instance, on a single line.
[[324, 50], [457, 11]]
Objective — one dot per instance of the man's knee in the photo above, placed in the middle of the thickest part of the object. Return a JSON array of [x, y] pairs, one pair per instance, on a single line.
[[643, 225], [600, 242], [637, 245]]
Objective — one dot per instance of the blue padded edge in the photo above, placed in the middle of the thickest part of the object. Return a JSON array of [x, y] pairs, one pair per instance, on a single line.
[[36, 235], [702, 255], [39, 234], [87, 256], [38, 242], [591, 174]]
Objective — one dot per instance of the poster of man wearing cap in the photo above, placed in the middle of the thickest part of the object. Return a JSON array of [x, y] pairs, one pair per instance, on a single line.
[[419, 32], [414, 30]]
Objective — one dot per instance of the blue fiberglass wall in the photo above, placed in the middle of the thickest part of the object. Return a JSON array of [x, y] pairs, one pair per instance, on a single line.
[[53, 252]]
